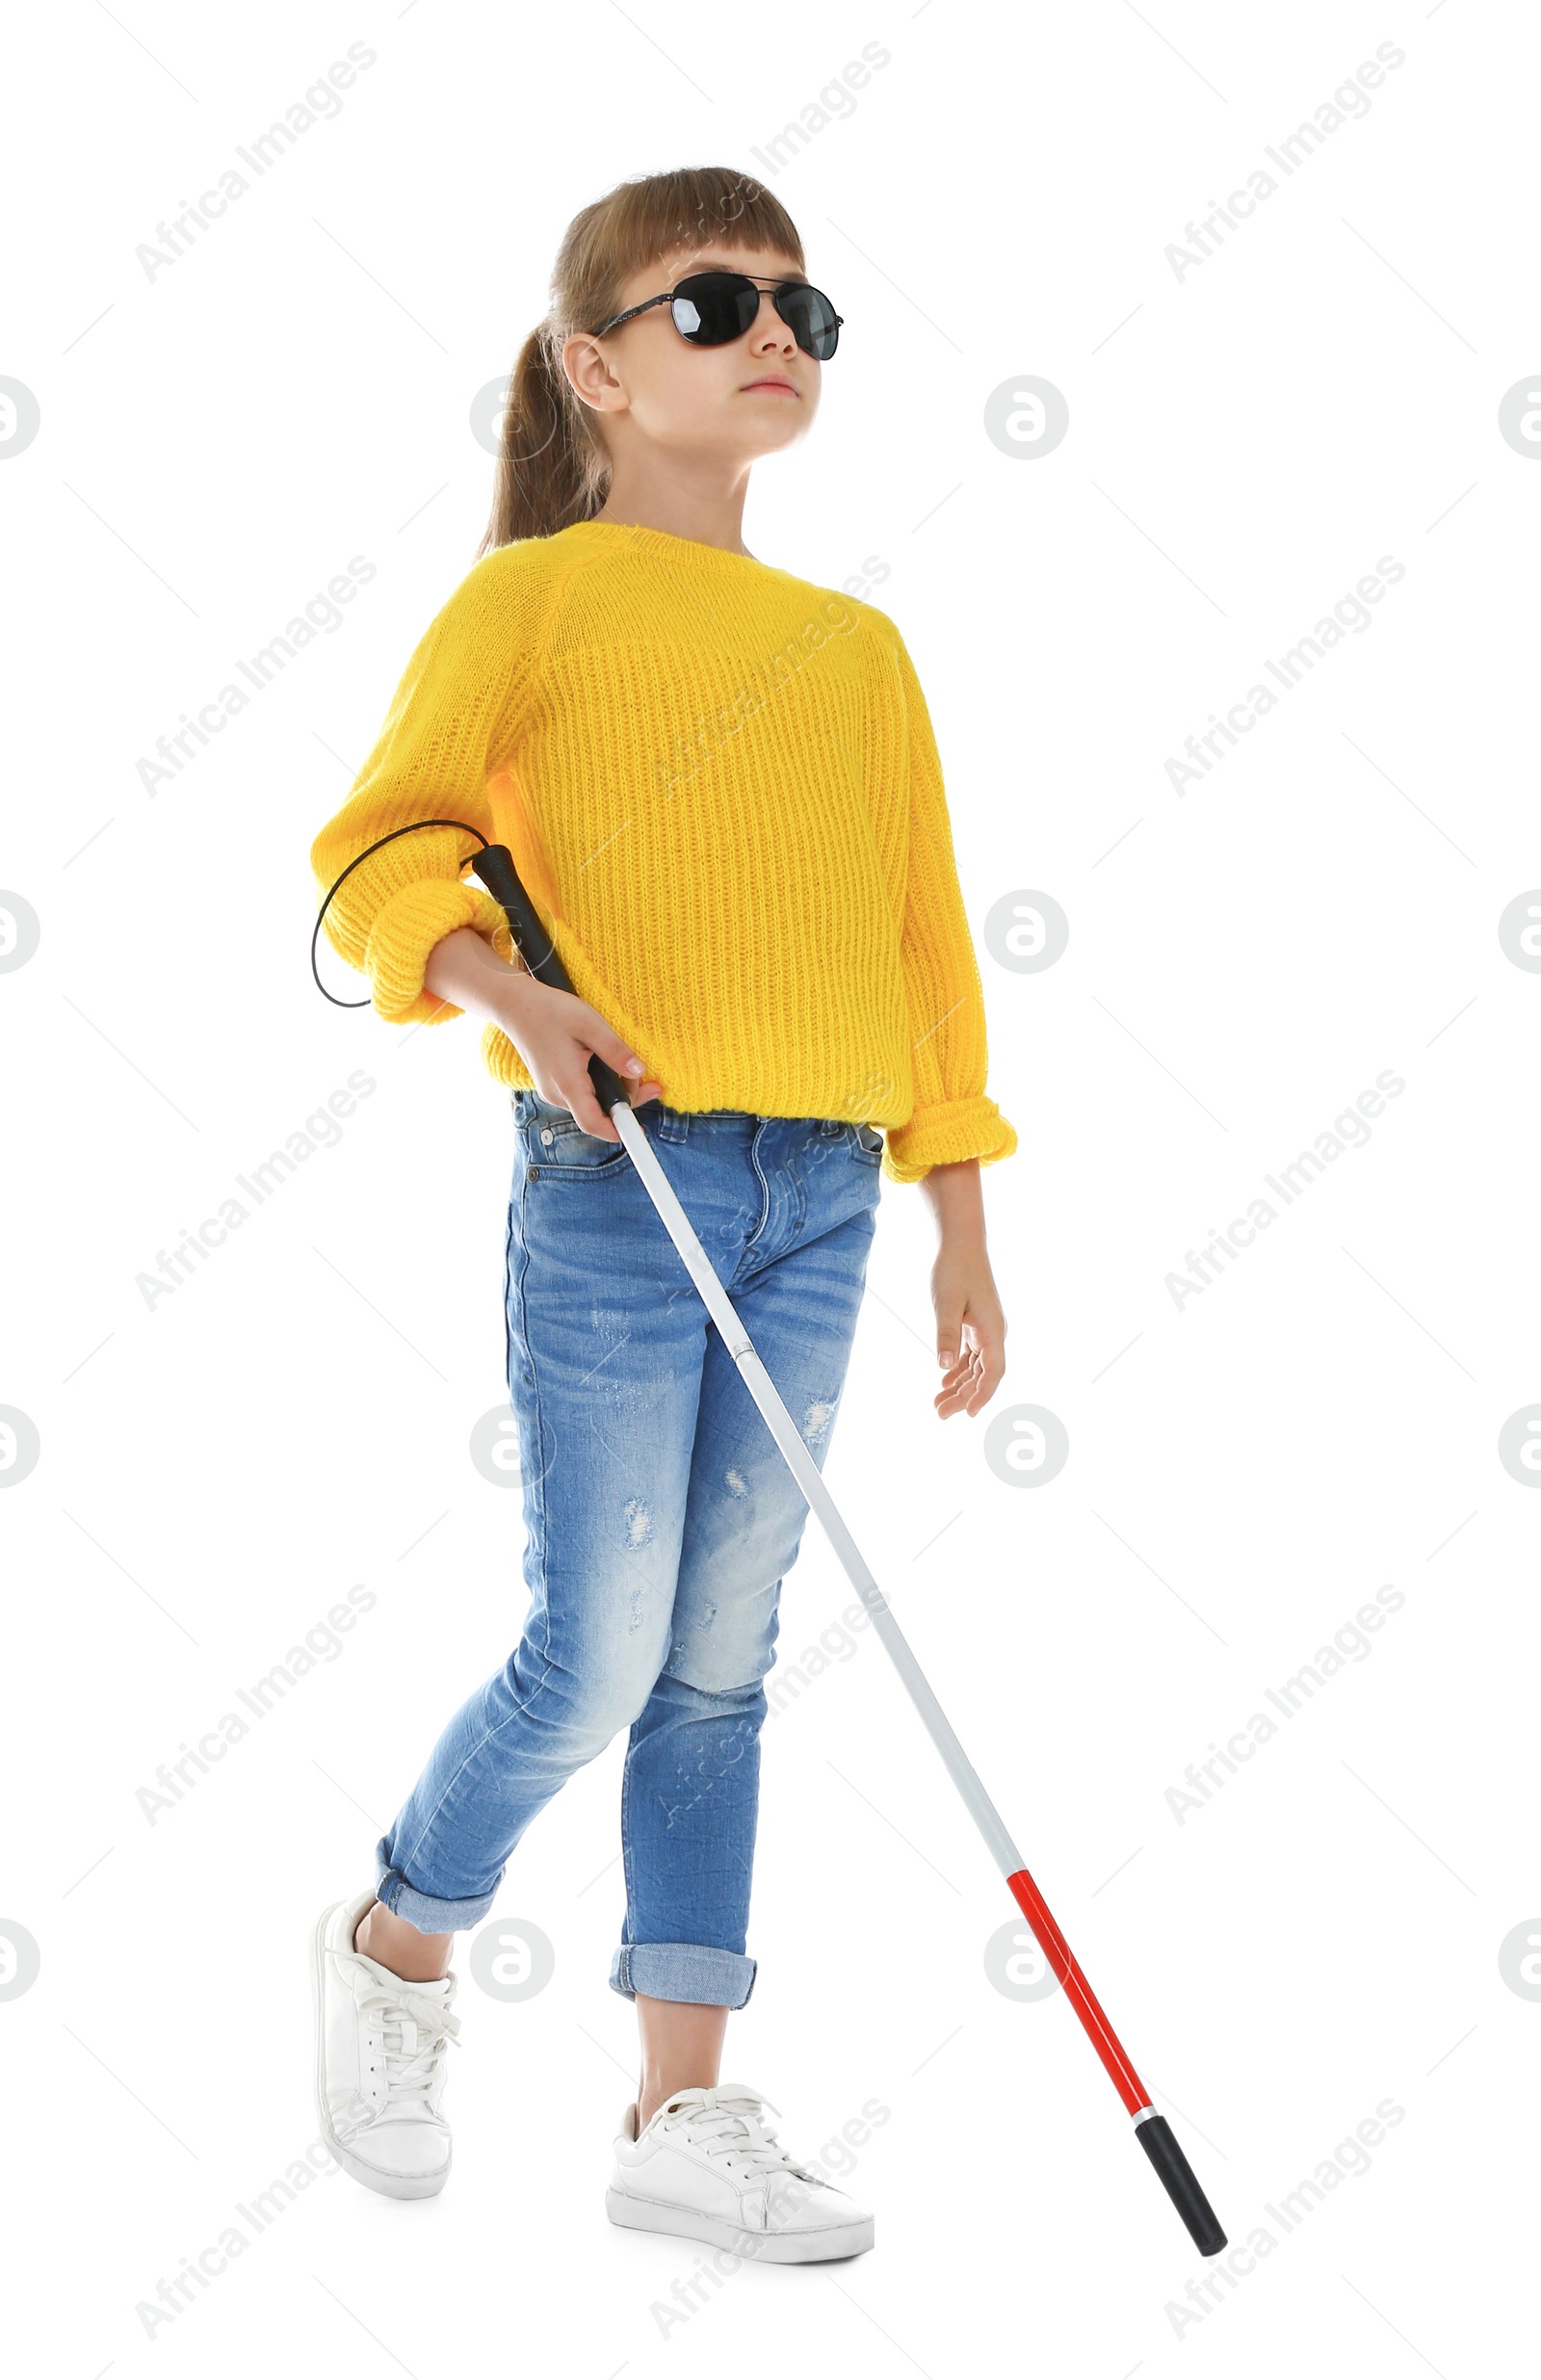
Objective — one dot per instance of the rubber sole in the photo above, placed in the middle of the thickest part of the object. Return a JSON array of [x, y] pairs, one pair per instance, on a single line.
[[651, 2214], [390, 2185]]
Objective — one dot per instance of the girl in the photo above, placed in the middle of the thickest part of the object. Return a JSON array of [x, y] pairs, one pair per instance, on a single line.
[[719, 783]]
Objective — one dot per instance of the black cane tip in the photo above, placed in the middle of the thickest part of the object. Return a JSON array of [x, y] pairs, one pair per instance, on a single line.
[[1181, 2185]]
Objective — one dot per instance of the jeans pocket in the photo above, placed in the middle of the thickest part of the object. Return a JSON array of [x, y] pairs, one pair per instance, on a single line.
[[558, 1143], [867, 1144]]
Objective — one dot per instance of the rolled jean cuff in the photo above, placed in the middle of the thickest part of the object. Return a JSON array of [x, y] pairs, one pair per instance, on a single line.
[[682, 1971], [421, 1909]]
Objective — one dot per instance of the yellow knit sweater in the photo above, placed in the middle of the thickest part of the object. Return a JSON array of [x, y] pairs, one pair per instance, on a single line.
[[720, 784]]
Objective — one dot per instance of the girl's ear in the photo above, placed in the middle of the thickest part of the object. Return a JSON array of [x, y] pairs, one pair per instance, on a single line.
[[590, 377]]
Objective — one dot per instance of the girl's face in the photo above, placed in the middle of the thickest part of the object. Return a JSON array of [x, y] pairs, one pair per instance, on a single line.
[[653, 389]]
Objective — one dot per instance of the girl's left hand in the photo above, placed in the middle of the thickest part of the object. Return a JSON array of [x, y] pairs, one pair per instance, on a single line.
[[970, 1326]]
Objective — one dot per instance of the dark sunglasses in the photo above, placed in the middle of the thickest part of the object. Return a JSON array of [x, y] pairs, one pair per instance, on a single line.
[[711, 309]]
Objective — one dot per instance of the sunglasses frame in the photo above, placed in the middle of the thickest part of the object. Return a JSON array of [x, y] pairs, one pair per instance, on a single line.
[[756, 280]]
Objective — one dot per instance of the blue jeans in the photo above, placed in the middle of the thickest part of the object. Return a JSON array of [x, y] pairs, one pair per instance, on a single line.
[[660, 1519]]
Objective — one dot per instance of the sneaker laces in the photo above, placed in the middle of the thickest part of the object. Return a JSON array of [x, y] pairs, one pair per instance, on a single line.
[[414, 2027], [726, 2120]]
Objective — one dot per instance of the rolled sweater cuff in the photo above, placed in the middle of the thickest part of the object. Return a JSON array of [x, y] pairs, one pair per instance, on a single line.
[[947, 1135], [404, 932]]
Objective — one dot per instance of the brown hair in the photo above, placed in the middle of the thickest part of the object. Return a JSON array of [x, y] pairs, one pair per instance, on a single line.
[[552, 468]]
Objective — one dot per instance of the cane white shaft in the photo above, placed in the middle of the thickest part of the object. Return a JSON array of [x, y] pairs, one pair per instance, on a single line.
[[805, 1471]]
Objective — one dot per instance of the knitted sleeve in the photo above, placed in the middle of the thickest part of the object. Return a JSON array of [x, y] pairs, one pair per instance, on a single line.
[[456, 709], [951, 1118]]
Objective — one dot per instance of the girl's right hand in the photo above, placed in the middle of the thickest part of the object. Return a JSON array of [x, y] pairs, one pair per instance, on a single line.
[[556, 1033]]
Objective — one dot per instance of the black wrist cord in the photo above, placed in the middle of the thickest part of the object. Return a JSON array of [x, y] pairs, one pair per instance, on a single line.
[[493, 865], [415, 828]]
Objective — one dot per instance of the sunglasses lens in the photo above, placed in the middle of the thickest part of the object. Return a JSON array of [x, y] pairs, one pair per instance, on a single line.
[[710, 308], [810, 318]]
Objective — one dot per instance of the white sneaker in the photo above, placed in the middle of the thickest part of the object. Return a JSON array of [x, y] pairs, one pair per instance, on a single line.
[[382, 2063], [708, 2166]]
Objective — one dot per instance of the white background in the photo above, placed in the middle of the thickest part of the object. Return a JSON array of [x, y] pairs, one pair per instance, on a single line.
[[1245, 442]]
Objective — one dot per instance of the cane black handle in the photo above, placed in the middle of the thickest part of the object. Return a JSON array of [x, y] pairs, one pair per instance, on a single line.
[[495, 867], [1160, 2144]]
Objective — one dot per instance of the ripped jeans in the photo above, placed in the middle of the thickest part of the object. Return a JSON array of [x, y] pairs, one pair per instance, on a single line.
[[660, 1519]]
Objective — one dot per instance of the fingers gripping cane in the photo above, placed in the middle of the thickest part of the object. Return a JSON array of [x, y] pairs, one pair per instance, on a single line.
[[495, 865]]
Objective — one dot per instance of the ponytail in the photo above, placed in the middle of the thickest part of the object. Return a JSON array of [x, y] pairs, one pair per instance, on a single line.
[[553, 465]]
